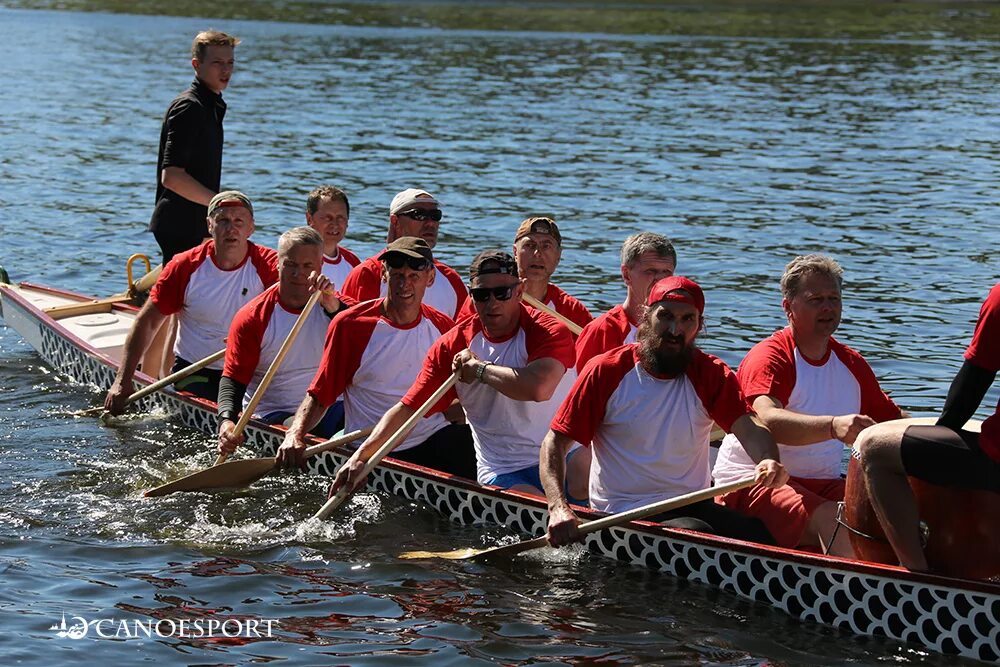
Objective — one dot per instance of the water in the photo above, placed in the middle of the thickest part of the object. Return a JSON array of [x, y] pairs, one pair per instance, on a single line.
[[746, 136]]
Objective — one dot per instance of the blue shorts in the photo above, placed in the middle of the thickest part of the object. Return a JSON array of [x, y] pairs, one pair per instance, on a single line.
[[531, 476], [331, 422]]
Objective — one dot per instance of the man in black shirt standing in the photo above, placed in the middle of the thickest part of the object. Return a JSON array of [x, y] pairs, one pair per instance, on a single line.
[[189, 163]]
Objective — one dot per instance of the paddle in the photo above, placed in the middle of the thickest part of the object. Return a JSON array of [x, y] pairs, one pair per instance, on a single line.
[[156, 386], [590, 526], [272, 370], [237, 474], [397, 437], [538, 305]]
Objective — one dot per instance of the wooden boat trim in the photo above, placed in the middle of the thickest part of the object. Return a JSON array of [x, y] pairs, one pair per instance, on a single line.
[[943, 614]]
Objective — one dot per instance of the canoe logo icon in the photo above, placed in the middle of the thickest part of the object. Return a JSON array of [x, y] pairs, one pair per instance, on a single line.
[[76, 630]]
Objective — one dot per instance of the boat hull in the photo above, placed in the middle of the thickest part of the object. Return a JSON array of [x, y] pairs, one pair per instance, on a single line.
[[947, 615]]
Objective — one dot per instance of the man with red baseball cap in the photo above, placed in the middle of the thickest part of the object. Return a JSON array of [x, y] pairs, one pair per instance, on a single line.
[[815, 395], [664, 382]]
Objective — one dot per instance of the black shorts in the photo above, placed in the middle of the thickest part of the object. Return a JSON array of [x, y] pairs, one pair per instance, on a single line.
[[708, 516], [941, 456], [203, 383], [449, 450]]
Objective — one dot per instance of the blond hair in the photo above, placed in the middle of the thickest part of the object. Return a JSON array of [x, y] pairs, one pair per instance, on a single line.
[[207, 38], [805, 265]]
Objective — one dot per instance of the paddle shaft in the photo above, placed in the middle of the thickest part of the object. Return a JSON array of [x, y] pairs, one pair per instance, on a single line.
[[624, 517], [538, 305], [390, 444], [272, 370]]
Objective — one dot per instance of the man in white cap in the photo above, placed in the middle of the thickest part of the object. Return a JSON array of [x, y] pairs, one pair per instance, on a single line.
[[415, 213], [204, 286]]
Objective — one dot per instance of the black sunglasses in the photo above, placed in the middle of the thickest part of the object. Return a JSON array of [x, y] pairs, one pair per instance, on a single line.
[[423, 214], [397, 261], [482, 294]]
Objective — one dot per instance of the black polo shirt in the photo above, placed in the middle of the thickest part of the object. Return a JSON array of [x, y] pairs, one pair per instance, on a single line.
[[191, 138]]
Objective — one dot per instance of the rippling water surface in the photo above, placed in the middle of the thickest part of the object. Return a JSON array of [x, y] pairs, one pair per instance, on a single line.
[[745, 149]]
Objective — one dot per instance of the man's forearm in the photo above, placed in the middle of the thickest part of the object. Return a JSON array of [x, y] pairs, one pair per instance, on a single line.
[[529, 383], [181, 182], [756, 439], [552, 467], [307, 416], [794, 428], [965, 395], [146, 324]]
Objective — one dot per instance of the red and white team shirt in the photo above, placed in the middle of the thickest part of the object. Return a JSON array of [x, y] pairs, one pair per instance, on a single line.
[[839, 384], [206, 297], [373, 362], [507, 433], [610, 330], [256, 335], [337, 268], [650, 435], [447, 294], [568, 306], [984, 351]]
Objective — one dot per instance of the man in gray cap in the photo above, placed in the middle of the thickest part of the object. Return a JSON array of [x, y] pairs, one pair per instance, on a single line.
[[204, 287], [413, 213], [373, 353]]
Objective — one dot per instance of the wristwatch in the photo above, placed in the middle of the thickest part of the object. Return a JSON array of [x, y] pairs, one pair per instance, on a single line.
[[480, 369]]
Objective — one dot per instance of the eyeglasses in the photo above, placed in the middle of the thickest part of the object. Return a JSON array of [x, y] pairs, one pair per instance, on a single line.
[[423, 214], [482, 294], [415, 263]]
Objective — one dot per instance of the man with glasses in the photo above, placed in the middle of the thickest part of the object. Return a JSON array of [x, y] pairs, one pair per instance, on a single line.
[[516, 366], [646, 258], [373, 353], [414, 213], [204, 286]]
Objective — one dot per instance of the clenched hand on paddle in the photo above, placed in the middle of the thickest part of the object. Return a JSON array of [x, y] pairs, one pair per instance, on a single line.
[[399, 421], [230, 434]]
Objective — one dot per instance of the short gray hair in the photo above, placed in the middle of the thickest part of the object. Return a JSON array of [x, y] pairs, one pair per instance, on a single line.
[[803, 266], [637, 244], [297, 236]]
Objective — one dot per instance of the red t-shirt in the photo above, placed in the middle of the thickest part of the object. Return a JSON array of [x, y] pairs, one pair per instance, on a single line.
[[507, 433], [650, 435], [206, 297], [610, 330], [984, 351], [338, 268]]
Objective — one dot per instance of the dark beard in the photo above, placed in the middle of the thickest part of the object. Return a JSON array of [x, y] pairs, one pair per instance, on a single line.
[[656, 361]]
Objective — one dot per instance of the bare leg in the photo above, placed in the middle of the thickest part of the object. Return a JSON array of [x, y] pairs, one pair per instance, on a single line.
[[890, 493], [822, 526]]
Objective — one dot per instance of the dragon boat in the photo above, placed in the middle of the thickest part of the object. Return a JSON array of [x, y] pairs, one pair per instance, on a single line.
[[82, 338]]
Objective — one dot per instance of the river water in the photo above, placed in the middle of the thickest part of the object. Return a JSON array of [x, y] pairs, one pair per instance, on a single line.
[[747, 142]]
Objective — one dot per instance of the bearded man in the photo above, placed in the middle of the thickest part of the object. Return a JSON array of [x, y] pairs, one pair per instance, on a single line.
[[674, 390]]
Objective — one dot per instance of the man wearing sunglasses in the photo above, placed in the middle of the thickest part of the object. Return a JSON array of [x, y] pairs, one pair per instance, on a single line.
[[516, 365], [645, 258], [373, 353], [413, 213]]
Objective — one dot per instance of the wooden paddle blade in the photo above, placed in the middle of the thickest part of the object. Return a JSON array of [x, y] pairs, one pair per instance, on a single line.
[[505, 551], [234, 474], [456, 554]]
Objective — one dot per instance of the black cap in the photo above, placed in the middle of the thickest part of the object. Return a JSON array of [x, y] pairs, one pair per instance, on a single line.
[[411, 246], [492, 261]]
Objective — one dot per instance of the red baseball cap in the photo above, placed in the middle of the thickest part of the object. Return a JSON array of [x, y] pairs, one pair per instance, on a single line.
[[670, 289]]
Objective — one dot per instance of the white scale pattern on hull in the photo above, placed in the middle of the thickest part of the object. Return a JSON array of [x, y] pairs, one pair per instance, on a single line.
[[947, 620]]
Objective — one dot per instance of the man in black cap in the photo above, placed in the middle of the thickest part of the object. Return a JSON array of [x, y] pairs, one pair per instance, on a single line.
[[516, 366], [372, 355]]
